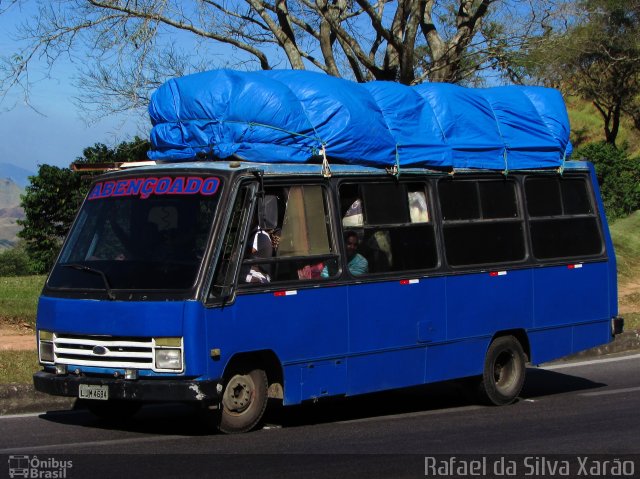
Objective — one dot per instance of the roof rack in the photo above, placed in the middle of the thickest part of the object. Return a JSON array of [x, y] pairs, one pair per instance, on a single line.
[[104, 167]]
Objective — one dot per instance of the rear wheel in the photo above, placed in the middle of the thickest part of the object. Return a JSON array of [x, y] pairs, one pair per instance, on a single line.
[[244, 401], [504, 372]]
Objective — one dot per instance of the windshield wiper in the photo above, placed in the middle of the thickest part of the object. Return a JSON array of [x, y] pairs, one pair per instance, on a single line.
[[81, 267]]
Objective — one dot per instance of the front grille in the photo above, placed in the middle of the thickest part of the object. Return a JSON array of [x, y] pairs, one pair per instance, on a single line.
[[103, 351]]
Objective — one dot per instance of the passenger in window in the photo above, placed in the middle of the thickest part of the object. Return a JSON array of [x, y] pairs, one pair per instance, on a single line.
[[271, 223], [261, 247], [275, 234], [311, 271], [357, 264]]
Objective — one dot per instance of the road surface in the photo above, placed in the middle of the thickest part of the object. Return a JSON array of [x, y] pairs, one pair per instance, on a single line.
[[578, 410]]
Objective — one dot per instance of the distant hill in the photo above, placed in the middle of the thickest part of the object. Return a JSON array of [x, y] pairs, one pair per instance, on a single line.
[[10, 212], [18, 175], [10, 193]]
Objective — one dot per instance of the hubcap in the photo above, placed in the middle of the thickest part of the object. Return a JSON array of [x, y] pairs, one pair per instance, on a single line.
[[238, 394], [503, 370]]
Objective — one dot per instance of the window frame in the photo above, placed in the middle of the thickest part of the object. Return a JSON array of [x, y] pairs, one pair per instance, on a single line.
[[521, 218], [244, 288], [249, 189], [595, 214], [426, 186]]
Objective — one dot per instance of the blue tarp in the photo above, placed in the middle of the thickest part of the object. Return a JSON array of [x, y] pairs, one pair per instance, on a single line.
[[288, 116]]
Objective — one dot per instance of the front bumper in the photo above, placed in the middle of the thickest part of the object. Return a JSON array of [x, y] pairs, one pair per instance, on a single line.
[[165, 390]]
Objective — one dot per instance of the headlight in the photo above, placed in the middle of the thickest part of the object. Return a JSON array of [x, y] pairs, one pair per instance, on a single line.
[[45, 346], [169, 358]]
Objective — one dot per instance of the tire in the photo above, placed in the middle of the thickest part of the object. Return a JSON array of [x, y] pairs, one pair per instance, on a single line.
[[113, 410], [504, 372], [244, 401]]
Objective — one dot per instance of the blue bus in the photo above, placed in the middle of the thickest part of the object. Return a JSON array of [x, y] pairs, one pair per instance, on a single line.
[[226, 283]]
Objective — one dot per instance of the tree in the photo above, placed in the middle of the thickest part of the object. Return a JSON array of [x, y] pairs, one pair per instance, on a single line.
[[618, 175], [134, 150], [15, 261], [129, 47], [54, 195], [598, 59], [50, 203]]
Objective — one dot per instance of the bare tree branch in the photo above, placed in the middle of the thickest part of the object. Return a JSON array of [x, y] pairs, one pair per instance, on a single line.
[[264, 63], [125, 48]]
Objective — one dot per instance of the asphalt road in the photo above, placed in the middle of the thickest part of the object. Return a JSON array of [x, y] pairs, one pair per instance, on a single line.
[[578, 410]]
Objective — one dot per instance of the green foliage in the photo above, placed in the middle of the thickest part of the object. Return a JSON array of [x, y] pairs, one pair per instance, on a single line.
[[135, 150], [598, 59], [618, 176], [52, 199], [15, 261], [19, 298], [50, 203]]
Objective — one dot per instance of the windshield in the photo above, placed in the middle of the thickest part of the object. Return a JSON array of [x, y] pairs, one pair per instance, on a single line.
[[139, 234]]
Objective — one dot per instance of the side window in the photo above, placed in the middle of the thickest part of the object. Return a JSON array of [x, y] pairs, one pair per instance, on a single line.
[[481, 221], [232, 245], [459, 200], [543, 197], [387, 227], [563, 223], [290, 240]]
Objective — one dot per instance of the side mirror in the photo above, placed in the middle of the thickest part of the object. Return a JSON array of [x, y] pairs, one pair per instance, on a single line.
[[268, 211]]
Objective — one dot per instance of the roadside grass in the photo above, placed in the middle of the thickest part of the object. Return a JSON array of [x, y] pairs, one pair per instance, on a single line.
[[631, 321], [18, 366], [19, 299], [625, 233]]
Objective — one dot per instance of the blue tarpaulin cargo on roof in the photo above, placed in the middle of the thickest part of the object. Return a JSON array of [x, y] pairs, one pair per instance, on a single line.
[[289, 116]]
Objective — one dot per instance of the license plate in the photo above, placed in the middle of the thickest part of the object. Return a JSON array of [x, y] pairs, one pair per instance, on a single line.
[[91, 391]]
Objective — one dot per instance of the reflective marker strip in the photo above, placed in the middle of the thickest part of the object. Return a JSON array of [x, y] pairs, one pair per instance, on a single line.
[[574, 266], [497, 273], [409, 281], [285, 293]]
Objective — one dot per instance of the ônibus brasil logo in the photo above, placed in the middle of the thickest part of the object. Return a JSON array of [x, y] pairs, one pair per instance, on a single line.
[[38, 468]]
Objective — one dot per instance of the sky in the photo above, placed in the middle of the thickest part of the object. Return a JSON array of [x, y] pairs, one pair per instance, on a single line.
[[52, 130]]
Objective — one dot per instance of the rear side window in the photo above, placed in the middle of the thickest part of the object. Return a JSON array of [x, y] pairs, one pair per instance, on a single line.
[[563, 222], [389, 223], [481, 221]]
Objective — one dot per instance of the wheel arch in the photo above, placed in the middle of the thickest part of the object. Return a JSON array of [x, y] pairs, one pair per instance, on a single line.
[[265, 359], [520, 335]]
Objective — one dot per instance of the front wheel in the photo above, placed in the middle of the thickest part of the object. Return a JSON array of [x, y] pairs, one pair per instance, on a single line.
[[244, 401], [504, 372]]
